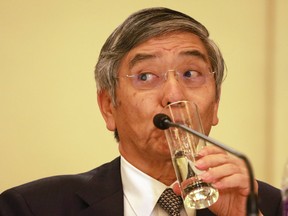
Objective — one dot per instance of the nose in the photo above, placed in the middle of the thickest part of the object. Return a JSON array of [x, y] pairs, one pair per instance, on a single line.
[[172, 90], [170, 74]]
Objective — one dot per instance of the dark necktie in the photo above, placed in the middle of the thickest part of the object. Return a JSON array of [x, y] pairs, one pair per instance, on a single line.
[[170, 202]]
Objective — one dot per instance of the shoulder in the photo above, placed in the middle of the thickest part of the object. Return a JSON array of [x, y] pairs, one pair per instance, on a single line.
[[54, 192], [65, 182], [265, 189], [269, 199]]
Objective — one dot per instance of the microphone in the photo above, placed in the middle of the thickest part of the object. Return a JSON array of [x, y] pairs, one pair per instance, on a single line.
[[163, 122]]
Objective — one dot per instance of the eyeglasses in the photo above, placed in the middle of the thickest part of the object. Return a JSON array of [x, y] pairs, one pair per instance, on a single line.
[[187, 78]]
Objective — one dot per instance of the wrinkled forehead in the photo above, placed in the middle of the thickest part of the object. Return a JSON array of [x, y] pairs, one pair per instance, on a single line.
[[180, 45], [156, 57]]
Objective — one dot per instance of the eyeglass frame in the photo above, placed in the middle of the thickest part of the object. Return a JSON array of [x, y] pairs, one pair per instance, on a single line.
[[164, 76]]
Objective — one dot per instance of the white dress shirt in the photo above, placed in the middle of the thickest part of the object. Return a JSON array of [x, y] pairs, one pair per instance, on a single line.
[[141, 193]]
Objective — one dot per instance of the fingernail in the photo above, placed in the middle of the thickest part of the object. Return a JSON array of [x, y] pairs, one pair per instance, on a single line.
[[201, 153], [204, 175], [199, 164], [216, 185]]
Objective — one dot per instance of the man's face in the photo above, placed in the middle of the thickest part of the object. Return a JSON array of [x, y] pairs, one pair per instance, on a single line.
[[136, 107]]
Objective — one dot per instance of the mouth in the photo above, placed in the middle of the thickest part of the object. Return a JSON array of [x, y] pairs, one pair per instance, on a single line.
[[159, 135]]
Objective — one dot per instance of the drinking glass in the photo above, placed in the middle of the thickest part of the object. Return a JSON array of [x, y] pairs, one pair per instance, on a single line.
[[184, 149]]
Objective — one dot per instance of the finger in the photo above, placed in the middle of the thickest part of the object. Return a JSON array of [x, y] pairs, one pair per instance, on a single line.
[[176, 188], [210, 149], [216, 173], [214, 160], [234, 181]]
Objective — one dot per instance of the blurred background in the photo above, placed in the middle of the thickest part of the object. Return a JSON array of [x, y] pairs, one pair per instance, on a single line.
[[50, 123]]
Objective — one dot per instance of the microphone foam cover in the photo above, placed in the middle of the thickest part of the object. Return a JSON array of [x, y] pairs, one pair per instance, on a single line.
[[161, 121]]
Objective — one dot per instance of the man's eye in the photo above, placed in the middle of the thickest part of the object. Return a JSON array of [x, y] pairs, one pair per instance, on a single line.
[[191, 74], [145, 76]]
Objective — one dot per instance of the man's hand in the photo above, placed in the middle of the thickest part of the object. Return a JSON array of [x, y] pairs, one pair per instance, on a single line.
[[229, 175]]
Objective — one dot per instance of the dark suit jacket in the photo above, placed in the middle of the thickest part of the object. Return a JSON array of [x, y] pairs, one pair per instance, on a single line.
[[97, 192]]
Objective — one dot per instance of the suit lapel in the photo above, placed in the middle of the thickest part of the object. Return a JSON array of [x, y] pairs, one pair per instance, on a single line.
[[104, 193]]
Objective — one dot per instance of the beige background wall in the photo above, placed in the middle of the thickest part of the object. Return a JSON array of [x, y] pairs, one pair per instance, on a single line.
[[49, 120]]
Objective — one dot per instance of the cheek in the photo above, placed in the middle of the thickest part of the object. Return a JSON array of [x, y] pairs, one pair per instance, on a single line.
[[208, 116], [205, 98], [133, 110]]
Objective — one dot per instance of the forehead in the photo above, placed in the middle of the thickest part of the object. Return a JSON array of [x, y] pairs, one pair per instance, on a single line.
[[173, 45]]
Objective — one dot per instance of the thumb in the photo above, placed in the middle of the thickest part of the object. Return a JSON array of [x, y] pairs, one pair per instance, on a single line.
[[176, 188]]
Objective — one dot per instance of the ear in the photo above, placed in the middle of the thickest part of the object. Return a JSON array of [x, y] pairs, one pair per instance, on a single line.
[[215, 113], [107, 109]]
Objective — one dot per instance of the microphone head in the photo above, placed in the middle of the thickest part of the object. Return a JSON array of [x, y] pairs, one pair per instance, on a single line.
[[162, 121]]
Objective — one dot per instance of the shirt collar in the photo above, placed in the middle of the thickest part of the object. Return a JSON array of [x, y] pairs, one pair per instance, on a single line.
[[141, 190]]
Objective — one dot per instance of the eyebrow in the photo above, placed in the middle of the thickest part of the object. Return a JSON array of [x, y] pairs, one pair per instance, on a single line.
[[195, 53], [140, 57]]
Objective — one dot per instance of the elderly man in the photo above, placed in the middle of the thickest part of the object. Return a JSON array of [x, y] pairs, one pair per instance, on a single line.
[[143, 66]]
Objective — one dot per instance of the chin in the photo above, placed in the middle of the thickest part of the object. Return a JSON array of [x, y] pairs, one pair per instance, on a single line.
[[165, 151]]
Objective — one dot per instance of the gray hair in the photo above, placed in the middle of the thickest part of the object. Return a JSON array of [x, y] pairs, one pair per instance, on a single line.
[[142, 26]]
